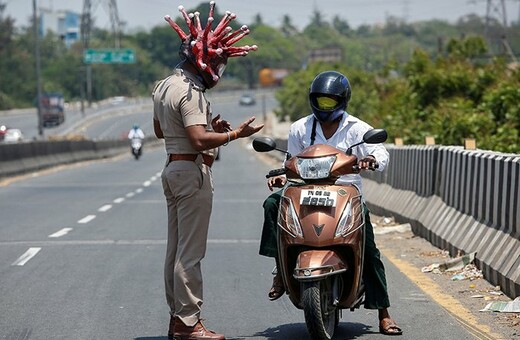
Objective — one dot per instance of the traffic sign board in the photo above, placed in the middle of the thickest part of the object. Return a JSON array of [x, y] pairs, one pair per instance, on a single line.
[[109, 56]]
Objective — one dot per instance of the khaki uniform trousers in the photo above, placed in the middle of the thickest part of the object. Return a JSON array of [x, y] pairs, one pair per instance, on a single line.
[[188, 188]]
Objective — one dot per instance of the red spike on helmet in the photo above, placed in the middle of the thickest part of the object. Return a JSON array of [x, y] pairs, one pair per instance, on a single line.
[[209, 49]]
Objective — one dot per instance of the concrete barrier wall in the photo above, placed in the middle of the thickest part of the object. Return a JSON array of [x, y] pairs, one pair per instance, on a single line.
[[459, 200], [20, 158]]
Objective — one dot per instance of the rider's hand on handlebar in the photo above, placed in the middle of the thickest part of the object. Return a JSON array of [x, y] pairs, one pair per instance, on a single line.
[[368, 162], [278, 181]]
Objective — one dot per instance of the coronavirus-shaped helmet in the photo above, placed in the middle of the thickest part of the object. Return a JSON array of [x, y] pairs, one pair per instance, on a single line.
[[207, 49]]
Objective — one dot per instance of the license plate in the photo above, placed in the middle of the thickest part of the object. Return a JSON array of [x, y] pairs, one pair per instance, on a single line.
[[322, 198]]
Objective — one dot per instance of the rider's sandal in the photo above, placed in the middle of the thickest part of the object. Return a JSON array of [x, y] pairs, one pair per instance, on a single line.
[[277, 290], [389, 327]]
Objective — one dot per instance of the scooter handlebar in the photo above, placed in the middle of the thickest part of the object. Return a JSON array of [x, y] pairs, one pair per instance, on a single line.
[[276, 172], [357, 169]]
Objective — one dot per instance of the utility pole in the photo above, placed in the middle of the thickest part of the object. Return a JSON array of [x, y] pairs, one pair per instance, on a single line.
[[518, 19], [498, 7], [38, 69], [86, 28], [406, 10], [86, 25], [115, 22]]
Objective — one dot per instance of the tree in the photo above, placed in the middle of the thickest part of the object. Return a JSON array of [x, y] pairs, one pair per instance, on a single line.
[[288, 29], [470, 47], [6, 34], [6, 29], [341, 26], [258, 20]]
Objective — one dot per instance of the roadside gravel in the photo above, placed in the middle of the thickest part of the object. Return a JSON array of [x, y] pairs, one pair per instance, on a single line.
[[473, 293]]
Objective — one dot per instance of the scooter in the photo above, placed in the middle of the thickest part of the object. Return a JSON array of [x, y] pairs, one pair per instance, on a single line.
[[321, 232], [137, 146]]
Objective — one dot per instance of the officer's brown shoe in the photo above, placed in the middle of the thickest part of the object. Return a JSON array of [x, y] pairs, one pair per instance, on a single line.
[[197, 332], [171, 328]]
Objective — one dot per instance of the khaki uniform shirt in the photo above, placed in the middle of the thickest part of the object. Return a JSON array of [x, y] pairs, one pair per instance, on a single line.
[[179, 102]]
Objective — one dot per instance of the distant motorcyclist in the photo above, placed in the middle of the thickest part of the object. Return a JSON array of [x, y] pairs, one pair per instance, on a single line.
[[136, 136], [136, 132]]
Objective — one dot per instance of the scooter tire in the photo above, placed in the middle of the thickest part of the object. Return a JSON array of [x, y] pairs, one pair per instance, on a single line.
[[321, 326]]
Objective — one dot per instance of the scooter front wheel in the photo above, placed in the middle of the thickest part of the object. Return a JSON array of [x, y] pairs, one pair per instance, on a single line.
[[321, 317]]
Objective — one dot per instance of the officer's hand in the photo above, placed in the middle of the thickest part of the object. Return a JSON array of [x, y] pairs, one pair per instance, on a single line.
[[369, 162], [246, 130], [278, 181], [220, 125]]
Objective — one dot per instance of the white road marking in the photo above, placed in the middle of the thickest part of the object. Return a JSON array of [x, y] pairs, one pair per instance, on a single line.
[[105, 207], [60, 233], [147, 183], [29, 254], [119, 200], [130, 194], [153, 178], [87, 219], [140, 190]]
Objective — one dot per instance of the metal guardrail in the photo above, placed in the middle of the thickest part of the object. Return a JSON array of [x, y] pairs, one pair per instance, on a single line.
[[459, 200], [20, 158]]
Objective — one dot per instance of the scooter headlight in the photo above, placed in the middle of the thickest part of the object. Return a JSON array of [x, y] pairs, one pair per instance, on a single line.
[[348, 218], [288, 219], [315, 168]]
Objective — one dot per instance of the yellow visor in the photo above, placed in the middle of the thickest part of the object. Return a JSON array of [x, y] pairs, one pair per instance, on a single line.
[[326, 103]]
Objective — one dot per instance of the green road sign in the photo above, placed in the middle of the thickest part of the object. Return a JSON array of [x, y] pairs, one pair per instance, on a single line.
[[109, 56]]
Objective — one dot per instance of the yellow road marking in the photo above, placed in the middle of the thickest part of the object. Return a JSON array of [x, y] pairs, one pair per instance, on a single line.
[[448, 302]]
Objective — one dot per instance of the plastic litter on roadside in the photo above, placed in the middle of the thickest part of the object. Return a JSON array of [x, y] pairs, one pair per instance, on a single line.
[[454, 264], [503, 306], [401, 228], [387, 225], [469, 272]]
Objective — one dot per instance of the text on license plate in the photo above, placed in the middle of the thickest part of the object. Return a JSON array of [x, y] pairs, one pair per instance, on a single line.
[[322, 198]]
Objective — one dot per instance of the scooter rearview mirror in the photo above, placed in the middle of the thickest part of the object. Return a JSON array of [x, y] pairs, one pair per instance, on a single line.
[[264, 144], [375, 136]]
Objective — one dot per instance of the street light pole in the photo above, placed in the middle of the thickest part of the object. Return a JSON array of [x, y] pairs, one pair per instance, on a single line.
[[38, 70]]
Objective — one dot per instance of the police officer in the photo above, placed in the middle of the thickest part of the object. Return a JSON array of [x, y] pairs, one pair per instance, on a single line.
[[183, 117]]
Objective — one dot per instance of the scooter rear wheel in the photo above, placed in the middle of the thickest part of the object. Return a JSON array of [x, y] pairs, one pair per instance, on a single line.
[[321, 317]]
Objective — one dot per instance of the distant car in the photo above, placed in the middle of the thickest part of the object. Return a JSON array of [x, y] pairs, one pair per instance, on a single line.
[[117, 100], [13, 136], [3, 130], [247, 99]]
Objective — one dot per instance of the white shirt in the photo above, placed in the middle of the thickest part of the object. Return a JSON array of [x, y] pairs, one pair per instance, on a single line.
[[350, 131], [136, 134]]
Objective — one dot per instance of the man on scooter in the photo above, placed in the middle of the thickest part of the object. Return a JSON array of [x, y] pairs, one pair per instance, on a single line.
[[330, 124]]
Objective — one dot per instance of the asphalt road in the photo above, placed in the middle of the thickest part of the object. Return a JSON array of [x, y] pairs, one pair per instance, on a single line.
[[27, 120], [81, 253], [82, 248]]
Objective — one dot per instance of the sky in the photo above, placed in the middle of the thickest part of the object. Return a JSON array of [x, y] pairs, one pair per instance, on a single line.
[[145, 14]]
